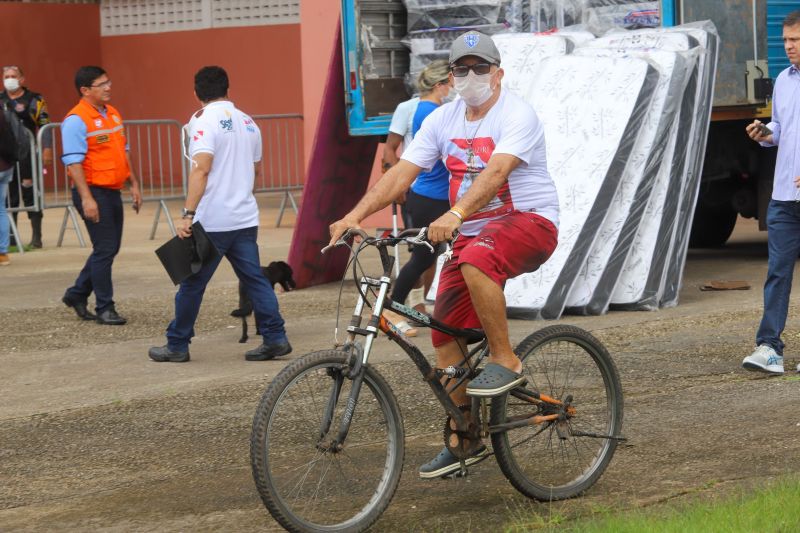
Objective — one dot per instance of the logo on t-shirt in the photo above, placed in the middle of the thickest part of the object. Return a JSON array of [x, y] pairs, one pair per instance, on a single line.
[[227, 125], [465, 164]]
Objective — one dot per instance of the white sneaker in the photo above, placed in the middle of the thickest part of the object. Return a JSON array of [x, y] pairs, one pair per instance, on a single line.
[[764, 359]]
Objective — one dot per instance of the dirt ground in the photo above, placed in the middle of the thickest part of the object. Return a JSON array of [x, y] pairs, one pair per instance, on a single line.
[[94, 436]]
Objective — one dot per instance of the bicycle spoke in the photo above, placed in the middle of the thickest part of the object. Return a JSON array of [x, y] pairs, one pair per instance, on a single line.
[[561, 362], [319, 481]]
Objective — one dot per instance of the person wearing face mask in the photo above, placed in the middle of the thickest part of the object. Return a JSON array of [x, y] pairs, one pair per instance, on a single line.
[[427, 199], [96, 156], [504, 205], [31, 109]]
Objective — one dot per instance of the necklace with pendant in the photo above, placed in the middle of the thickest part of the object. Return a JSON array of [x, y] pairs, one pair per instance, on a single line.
[[470, 151]]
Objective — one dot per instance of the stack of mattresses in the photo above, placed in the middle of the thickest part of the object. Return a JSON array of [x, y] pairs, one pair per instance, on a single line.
[[626, 118]]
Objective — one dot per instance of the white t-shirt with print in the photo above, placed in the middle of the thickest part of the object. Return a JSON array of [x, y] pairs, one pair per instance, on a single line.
[[235, 142], [402, 120], [510, 127]]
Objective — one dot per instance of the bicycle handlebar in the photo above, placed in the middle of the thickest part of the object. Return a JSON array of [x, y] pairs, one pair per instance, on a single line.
[[411, 236]]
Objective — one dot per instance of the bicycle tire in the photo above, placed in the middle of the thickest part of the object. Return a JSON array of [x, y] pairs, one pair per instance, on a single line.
[[522, 453], [285, 434]]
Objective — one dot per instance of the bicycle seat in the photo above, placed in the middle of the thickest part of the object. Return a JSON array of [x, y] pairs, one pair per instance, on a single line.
[[472, 335]]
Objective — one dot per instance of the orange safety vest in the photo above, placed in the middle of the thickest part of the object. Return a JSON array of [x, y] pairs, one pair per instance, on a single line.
[[105, 164]]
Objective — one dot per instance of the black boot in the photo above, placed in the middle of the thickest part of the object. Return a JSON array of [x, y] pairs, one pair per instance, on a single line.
[[36, 224]]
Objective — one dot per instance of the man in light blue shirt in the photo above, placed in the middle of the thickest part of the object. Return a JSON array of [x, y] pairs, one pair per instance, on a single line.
[[783, 213]]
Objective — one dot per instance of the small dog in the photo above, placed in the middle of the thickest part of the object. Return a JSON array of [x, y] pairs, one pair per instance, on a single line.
[[278, 273]]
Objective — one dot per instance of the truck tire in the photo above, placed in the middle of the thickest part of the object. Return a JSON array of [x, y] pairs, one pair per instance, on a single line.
[[712, 225]]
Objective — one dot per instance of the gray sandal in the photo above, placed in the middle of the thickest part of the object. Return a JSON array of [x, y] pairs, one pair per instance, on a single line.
[[494, 381]]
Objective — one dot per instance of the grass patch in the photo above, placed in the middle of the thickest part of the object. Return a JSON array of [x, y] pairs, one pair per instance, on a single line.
[[27, 248], [773, 508]]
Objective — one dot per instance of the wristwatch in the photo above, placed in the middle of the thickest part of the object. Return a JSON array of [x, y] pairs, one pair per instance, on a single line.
[[185, 213]]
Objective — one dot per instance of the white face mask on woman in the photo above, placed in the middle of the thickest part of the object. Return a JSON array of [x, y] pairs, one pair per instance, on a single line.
[[11, 84], [474, 89], [450, 96]]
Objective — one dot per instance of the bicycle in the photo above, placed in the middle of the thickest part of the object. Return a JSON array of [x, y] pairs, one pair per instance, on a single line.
[[327, 445]]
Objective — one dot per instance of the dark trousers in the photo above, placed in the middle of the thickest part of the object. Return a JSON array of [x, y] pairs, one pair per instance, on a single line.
[[422, 211], [783, 236], [240, 247], [15, 188], [106, 236]]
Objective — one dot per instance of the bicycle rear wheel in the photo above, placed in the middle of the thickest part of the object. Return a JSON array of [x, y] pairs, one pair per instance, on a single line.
[[305, 486], [551, 462]]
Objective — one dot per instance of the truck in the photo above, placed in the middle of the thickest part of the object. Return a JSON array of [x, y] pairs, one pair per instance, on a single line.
[[737, 173]]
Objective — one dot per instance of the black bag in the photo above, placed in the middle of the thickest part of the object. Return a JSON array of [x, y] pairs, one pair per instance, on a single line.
[[20, 134], [8, 144], [183, 257]]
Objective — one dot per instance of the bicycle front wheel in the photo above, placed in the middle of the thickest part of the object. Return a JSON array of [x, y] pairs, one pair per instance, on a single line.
[[558, 460], [306, 485]]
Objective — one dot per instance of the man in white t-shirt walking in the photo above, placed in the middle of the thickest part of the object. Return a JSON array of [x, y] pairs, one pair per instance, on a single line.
[[225, 147], [503, 202]]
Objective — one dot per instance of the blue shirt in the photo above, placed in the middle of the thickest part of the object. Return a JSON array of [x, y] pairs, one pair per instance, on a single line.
[[436, 182], [785, 128], [73, 140]]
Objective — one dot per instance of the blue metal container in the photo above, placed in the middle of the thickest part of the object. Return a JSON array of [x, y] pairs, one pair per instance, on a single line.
[[776, 12]]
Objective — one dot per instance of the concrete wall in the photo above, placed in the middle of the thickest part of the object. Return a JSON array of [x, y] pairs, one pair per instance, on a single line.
[[49, 42], [153, 73]]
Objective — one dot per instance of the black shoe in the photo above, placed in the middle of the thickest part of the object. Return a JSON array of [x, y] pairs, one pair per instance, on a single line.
[[163, 354], [265, 352], [446, 463], [109, 317], [80, 308]]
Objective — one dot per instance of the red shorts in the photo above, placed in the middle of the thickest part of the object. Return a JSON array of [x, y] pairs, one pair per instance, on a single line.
[[507, 247]]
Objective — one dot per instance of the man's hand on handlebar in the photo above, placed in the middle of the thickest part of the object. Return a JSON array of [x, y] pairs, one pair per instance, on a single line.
[[443, 228], [339, 227]]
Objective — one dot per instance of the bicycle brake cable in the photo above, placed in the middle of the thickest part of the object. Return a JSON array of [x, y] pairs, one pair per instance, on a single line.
[[339, 299]]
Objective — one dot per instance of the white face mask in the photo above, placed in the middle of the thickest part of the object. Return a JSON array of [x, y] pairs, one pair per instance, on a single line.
[[474, 89], [11, 84], [451, 95]]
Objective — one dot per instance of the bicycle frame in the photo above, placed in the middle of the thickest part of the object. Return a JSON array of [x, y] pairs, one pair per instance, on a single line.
[[379, 323], [555, 411]]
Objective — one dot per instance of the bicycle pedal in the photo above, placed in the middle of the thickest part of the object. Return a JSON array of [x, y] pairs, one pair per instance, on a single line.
[[458, 474]]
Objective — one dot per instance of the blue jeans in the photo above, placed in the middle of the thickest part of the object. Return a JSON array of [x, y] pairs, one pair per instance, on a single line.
[[5, 177], [783, 235], [106, 236], [240, 247]]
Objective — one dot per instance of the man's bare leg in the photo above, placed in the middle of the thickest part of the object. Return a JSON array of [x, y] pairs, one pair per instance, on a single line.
[[451, 354], [490, 306]]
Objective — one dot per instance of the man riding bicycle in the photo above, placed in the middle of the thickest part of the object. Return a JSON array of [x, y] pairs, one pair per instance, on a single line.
[[503, 204]]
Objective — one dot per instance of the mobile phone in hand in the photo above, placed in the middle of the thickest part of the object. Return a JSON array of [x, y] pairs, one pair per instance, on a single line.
[[764, 130]]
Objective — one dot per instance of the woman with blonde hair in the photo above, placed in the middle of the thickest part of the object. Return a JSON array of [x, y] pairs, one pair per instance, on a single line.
[[428, 197]]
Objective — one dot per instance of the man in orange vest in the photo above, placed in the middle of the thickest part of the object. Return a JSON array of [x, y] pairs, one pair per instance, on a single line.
[[95, 152]]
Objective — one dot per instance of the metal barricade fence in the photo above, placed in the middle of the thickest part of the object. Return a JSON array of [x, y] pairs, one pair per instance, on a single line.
[[156, 150], [31, 174], [156, 160], [282, 163]]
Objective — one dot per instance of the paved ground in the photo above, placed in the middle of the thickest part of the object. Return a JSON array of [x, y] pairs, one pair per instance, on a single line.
[[94, 436]]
